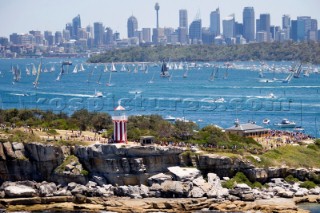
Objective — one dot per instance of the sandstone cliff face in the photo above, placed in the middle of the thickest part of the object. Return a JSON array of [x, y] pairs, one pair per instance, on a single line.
[[127, 166], [35, 161], [227, 167]]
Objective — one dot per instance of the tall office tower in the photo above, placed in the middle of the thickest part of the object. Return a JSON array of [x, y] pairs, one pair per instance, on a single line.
[[265, 24], [248, 24], [228, 26], [132, 26], [294, 30], [286, 22], [47, 34], [183, 35], [66, 35], [183, 19], [109, 36], [303, 27], [286, 26], [195, 31], [89, 29], [98, 30], [238, 29], [146, 34], [215, 22], [69, 27], [58, 37], [82, 33], [76, 24]]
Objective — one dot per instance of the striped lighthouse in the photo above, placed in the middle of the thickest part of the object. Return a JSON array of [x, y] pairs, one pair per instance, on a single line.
[[119, 125]]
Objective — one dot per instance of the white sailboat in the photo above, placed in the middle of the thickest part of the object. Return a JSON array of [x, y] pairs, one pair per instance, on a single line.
[[36, 82], [105, 68], [213, 74], [109, 82], [98, 94], [52, 69], [34, 70], [81, 69], [113, 68], [152, 79], [27, 71], [75, 69], [123, 68]]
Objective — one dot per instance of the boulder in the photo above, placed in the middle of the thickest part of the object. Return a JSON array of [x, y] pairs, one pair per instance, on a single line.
[[158, 178], [47, 189], [19, 191], [62, 192], [196, 192], [184, 174], [144, 191], [201, 183], [99, 180], [174, 189]]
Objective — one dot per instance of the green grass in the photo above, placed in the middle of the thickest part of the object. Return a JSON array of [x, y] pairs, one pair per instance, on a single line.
[[292, 156], [308, 184], [240, 178]]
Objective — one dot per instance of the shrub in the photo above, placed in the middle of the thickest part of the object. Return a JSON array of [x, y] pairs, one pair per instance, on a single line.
[[291, 179], [84, 172], [229, 184], [308, 184]]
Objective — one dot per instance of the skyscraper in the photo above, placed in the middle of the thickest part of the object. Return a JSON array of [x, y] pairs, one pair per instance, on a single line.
[[98, 30], [286, 22], [132, 26], [228, 26], [195, 31], [215, 22], [303, 27], [76, 24], [265, 24], [183, 18], [146, 34], [248, 24]]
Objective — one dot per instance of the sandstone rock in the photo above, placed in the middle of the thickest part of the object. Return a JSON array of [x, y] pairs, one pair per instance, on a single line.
[[196, 192], [174, 188], [91, 184], [99, 180], [9, 150], [201, 183], [19, 191], [79, 189], [105, 190], [47, 189], [62, 192], [285, 194], [144, 191], [2, 154], [158, 178], [184, 174], [315, 191]]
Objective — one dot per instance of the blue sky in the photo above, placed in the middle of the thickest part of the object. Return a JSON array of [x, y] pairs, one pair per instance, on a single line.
[[20, 16]]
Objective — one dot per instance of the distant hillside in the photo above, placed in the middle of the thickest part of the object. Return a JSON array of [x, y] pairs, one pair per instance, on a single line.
[[305, 52]]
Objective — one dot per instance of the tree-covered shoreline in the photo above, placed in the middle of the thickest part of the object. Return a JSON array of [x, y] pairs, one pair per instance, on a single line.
[[306, 52]]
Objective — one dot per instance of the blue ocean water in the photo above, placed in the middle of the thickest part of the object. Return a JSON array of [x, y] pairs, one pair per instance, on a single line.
[[193, 98], [312, 207]]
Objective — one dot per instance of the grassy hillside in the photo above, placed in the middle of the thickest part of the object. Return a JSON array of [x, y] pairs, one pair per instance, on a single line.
[[305, 52]]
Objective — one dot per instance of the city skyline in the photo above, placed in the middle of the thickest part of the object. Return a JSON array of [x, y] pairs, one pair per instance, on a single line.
[[53, 15]]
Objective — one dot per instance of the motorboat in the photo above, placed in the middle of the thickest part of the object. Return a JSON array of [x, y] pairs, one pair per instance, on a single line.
[[98, 94], [170, 118], [285, 123], [266, 121]]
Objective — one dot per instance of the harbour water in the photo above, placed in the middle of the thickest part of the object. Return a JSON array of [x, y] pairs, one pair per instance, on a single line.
[[237, 92], [312, 207]]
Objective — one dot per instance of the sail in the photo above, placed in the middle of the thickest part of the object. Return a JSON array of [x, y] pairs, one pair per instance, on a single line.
[[164, 70], [113, 68], [36, 82], [75, 70], [34, 70]]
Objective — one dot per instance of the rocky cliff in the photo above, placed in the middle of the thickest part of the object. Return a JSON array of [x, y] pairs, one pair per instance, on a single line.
[[121, 165], [108, 163]]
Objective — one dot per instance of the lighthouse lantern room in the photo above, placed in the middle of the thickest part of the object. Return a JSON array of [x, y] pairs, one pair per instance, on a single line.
[[119, 125]]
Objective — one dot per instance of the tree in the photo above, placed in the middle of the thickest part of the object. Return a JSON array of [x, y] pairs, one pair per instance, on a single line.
[[81, 118], [101, 121]]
